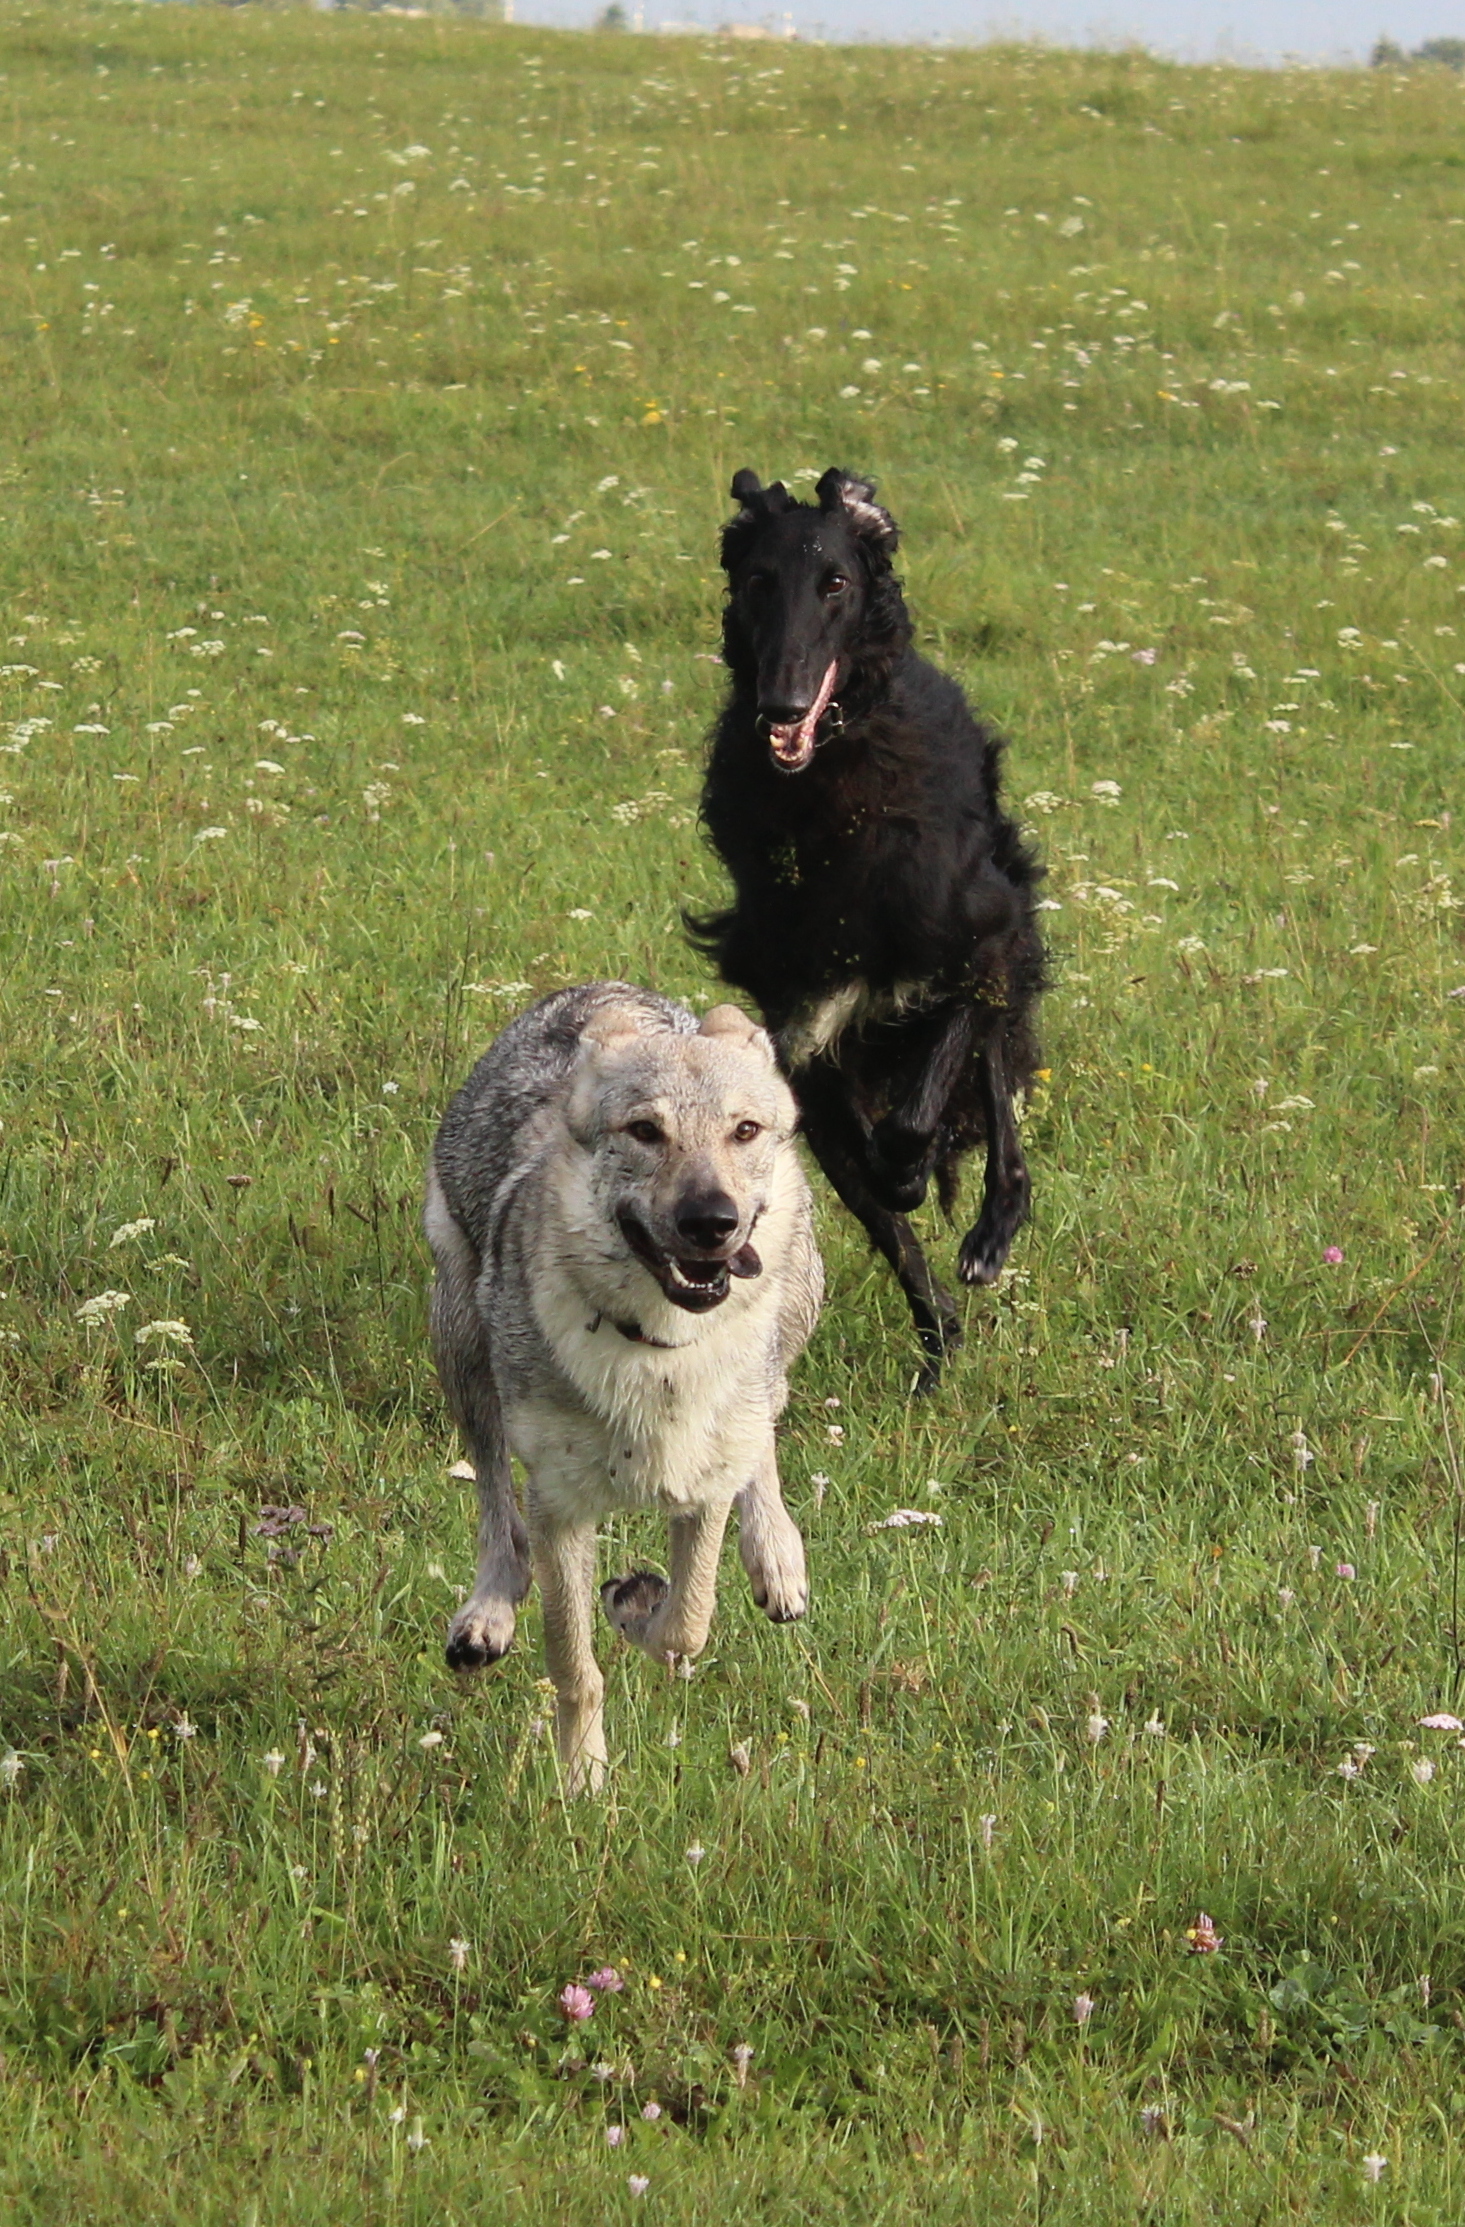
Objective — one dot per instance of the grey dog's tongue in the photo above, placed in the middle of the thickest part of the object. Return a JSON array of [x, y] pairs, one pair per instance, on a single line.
[[794, 742]]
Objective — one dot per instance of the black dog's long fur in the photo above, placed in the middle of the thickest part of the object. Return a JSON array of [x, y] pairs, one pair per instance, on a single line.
[[883, 909]]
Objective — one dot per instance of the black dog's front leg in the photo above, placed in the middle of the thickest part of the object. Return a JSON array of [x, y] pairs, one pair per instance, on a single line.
[[902, 1148], [838, 1140], [1007, 1190]]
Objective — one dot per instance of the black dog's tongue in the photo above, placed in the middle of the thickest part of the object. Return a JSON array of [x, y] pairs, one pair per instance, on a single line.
[[746, 1263], [793, 745]]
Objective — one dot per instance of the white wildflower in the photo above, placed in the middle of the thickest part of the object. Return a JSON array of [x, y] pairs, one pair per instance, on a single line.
[[127, 1231], [163, 1332]]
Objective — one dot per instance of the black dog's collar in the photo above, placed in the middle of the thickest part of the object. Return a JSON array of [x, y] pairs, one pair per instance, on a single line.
[[631, 1331]]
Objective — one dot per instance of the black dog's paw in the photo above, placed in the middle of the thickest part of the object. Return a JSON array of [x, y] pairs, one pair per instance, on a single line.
[[900, 1192], [983, 1254], [898, 1167], [630, 1602]]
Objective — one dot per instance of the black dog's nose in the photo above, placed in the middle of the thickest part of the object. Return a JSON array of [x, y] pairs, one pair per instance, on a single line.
[[777, 713], [708, 1221]]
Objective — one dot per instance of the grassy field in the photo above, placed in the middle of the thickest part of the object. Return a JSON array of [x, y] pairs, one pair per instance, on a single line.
[[372, 392]]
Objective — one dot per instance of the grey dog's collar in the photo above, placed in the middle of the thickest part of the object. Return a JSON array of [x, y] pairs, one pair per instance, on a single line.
[[633, 1332]]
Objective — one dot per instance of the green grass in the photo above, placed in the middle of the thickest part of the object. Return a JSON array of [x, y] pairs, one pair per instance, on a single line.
[[316, 344]]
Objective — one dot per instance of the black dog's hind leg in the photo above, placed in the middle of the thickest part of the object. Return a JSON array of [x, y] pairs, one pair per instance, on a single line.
[[838, 1144], [1007, 1189], [903, 1146]]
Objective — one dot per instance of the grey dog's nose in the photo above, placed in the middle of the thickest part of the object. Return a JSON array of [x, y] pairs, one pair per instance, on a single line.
[[708, 1221]]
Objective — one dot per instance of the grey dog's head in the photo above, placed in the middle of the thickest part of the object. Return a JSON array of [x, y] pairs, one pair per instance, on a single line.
[[684, 1135]]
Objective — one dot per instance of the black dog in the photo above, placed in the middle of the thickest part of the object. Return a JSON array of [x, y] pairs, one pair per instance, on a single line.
[[883, 916]]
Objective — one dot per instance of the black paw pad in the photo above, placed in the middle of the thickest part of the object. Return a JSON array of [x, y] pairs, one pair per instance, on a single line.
[[469, 1654]]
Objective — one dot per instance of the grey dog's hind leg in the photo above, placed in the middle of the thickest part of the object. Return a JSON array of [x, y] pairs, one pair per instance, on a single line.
[[564, 1558], [483, 1628]]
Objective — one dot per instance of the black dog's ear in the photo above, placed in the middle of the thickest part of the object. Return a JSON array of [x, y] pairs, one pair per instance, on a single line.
[[755, 498], [855, 498], [758, 502]]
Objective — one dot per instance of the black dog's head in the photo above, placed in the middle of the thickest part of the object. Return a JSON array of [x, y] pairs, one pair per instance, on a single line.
[[812, 600]]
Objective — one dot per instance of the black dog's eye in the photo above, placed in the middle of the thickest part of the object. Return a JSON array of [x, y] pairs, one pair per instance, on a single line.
[[645, 1132], [834, 584], [746, 1131], [759, 583]]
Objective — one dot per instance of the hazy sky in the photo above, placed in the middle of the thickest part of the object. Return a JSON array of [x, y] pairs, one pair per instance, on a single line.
[[1199, 30]]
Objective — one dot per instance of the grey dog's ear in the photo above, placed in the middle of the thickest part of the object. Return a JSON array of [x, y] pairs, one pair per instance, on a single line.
[[613, 1024], [841, 491], [731, 1022], [608, 1031]]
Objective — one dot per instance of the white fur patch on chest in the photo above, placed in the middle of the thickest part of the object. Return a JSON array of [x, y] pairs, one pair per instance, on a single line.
[[661, 1425], [817, 1027]]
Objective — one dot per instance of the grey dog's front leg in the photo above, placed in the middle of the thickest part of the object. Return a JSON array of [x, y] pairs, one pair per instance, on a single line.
[[771, 1544], [483, 1628], [671, 1616]]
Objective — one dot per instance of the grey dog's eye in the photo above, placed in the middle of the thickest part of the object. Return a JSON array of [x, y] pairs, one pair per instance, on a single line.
[[746, 1131], [644, 1132]]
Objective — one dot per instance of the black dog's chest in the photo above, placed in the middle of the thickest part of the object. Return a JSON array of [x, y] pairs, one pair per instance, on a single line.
[[833, 847], [839, 901]]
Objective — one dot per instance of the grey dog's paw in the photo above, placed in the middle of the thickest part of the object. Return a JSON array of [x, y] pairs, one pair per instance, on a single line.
[[774, 1560], [630, 1602], [480, 1633]]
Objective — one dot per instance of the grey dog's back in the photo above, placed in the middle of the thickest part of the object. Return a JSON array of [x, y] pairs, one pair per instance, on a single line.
[[486, 1142]]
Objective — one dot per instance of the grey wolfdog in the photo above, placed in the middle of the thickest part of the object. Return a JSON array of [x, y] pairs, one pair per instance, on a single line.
[[626, 1269]]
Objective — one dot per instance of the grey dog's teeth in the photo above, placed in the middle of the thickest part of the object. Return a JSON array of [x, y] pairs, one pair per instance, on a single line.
[[690, 1283]]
